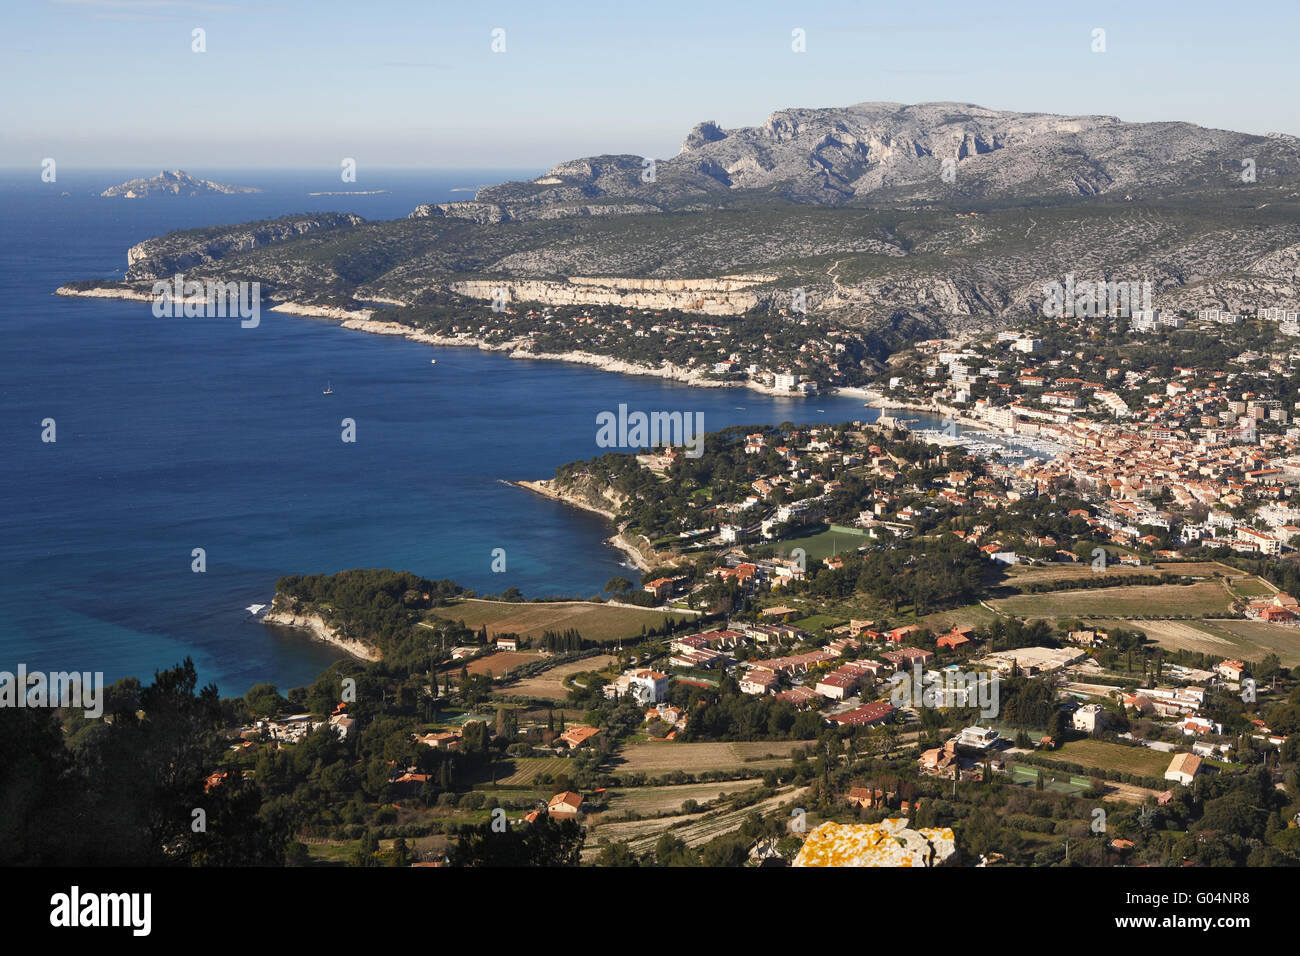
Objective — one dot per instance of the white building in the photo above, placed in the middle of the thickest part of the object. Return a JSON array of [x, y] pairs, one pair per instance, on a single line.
[[1090, 718]]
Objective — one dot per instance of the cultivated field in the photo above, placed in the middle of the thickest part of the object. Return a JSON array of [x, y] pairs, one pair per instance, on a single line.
[[500, 662], [1028, 574], [698, 828], [550, 683], [660, 758], [596, 622], [1205, 598], [527, 769], [647, 800], [1248, 640]]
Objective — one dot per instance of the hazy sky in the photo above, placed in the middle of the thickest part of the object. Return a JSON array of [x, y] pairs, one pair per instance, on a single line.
[[306, 82]]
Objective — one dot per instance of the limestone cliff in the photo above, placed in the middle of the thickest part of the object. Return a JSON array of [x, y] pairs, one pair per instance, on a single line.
[[286, 612]]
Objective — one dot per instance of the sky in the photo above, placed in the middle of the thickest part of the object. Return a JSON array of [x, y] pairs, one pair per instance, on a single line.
[[305, 83]]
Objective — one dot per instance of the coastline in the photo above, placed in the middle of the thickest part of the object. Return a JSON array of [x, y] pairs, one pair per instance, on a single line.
[[320, 629], [619, 540], [514, 348], [362, 320]]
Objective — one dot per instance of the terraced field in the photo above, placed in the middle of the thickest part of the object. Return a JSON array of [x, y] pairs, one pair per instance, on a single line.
[[694, 829], [647, 800]]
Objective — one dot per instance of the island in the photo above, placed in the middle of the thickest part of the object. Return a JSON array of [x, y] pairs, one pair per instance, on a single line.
[[174, 182]]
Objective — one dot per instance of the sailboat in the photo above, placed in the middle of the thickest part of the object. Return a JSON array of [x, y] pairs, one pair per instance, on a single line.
[[329, 388]]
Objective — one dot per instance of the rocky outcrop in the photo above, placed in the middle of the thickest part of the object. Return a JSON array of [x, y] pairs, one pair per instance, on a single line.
[[599, 498], [322, 311], [486, 212], [728, 295], [164, 256], [890, 842], [283, 614]]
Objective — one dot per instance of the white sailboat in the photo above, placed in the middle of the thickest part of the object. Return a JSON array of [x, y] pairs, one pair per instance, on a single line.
[[329, 388]]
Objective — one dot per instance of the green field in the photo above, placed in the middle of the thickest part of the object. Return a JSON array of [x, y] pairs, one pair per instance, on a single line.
[[824, 544], [602, 623], [817, 622], [1108, 756]]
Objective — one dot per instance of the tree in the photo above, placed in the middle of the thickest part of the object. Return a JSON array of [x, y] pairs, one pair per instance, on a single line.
[[618, 585], [542, 843], [367, 854]]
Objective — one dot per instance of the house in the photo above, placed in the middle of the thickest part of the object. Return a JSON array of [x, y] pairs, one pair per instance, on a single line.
[[343, 724], [1090, 718], [661, 588], [647, 686], [445, 740], [578, 735], [410, 784], [900, 634], [759, 681], [957, 637], [908, 656], [860, 797], [1230, 670], [1195, 725], [565, 806], [844, 681], [977, 739], [507, 642], [1183, 769], [800, 697], [1086, 638], [939, 759]]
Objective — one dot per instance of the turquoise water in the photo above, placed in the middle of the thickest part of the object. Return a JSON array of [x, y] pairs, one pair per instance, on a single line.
[[176, 434]]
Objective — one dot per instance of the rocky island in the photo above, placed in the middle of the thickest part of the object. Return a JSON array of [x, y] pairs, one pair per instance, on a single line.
[[173, 182]]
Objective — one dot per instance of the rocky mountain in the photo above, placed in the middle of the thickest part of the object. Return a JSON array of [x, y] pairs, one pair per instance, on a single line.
[[905, 219], [173, 182], [896, 152]]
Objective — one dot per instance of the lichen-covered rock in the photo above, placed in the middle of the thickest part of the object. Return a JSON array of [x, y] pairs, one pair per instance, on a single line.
[[887, 843]]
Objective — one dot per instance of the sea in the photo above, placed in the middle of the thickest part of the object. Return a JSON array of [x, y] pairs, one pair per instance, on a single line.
[[179, 434]]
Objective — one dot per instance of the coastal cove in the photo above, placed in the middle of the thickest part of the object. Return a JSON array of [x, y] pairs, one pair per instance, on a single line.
[[178, 434]]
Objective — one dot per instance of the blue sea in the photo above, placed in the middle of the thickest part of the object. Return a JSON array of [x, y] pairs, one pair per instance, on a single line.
[[175, 434]]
